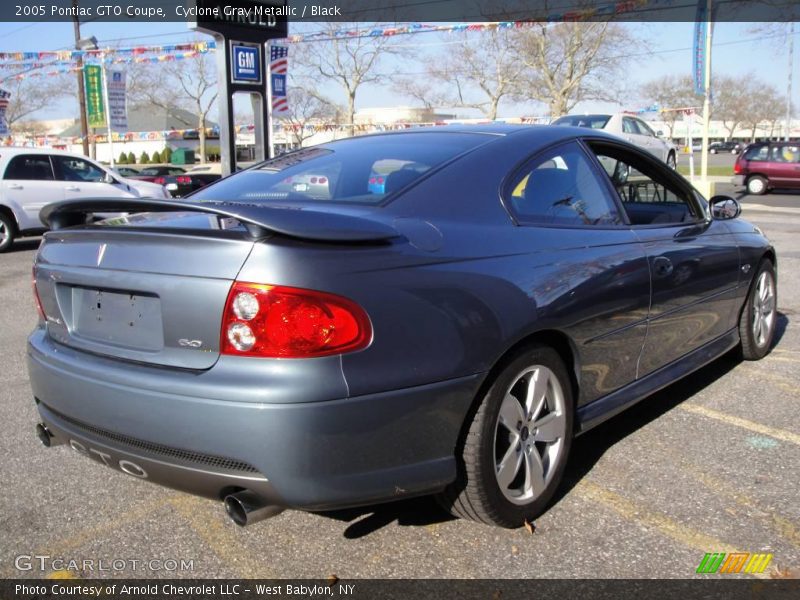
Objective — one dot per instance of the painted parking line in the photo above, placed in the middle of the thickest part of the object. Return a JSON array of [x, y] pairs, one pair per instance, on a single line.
[[778, 434], [631, 511]]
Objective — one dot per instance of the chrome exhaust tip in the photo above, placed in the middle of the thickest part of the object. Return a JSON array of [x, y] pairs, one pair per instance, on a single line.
[[245, 508], [44, 434]]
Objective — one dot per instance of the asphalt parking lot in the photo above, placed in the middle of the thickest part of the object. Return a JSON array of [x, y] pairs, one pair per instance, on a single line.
[[709, 464]]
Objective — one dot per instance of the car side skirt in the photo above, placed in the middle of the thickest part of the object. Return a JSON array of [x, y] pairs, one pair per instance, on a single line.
[[604, 408]]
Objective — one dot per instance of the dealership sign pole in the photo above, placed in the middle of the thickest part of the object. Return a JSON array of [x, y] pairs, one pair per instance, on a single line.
[[276, 87], [241, 30]]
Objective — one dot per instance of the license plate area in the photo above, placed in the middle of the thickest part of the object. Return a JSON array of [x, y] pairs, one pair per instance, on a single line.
[[117, 318]]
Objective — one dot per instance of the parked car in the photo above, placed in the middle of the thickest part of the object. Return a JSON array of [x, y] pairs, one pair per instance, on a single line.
[[33, 178], [450, 335], [192, 180], [631, 129], [720, 147], [767, 165], [153, 174], [126, 171]]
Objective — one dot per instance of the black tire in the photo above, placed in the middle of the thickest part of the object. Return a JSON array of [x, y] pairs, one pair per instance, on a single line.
[[712, 151], [477, 494], [8, 231], [753, 345], [759, 185], [671, 161]]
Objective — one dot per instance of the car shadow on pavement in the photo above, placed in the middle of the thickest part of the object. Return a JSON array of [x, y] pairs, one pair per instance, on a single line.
[[24, 245], [586, 451]]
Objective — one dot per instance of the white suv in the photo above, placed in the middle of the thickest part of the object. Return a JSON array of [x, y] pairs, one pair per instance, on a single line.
[[31, 178]]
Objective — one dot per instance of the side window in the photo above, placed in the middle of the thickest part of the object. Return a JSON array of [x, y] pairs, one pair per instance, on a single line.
[[786, 154], [560, 187], [759, 153], [77, 169], [29, 167], [648, 195], [629, 126], [644, 128]]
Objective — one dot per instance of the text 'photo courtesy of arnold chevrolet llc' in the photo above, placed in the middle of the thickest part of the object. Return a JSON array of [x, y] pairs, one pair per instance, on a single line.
[[376, 300]]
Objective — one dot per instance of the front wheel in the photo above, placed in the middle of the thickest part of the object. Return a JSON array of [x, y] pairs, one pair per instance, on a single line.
[[756, 185], [516, 448], [760, 314], [6, 232]]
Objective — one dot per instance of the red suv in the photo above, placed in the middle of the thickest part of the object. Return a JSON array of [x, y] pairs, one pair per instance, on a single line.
[[767, 165]]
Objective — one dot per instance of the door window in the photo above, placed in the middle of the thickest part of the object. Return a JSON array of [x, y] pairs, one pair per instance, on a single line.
[[77, 169], [629, 126], [759, 153], [644, 128], [647, 190], [785, 154], [31, 167], [561, 187]]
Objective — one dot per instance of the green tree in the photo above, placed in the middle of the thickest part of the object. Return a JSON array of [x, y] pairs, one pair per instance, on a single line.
[[131, 158], [156, 158], [144, 159], [123, 159], [166, 155]]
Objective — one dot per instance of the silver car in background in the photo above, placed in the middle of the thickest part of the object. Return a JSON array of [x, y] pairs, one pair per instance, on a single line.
[[629, 128]]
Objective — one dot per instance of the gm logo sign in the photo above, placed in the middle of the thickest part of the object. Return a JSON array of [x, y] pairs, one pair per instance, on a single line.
[[245, 63]]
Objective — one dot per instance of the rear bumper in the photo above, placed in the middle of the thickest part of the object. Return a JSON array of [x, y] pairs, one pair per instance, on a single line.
[[311, 455], [737, 180]]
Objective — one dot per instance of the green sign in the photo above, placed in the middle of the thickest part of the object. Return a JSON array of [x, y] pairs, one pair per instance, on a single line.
[[95, 107]]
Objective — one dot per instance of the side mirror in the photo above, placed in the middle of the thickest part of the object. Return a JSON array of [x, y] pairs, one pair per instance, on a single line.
[[109, 178], [724, 207]]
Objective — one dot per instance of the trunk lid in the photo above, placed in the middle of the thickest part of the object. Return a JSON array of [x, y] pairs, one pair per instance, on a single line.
[[155, 297]]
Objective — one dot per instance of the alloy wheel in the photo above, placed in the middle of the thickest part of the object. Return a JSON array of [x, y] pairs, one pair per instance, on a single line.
[[763, 308]]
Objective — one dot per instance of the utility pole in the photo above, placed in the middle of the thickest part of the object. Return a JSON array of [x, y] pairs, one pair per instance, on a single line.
[[789, 84], [706, 101], [81, 91]]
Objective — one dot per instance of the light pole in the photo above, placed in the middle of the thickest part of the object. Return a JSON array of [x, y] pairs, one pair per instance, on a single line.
[[789, 83], [81, 91]]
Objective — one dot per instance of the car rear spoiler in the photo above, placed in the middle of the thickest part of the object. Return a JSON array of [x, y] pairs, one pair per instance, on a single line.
[[259, 220]]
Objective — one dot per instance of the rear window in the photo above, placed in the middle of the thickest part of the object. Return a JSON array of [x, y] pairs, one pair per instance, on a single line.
[[757, 153], [357, 171], [591, 121]]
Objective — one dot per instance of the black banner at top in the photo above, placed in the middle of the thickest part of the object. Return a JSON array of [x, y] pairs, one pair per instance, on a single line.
[[242, 12]]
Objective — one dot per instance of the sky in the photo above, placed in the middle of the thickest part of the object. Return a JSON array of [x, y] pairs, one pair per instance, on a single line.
[[737, 50]]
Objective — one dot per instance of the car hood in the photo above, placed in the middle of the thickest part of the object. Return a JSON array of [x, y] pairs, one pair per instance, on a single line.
[[145, 189]]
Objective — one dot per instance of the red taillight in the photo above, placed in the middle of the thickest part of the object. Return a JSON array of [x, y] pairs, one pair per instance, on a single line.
[[323, 180], [36, 298], [184, 179], [737, 167], [380, 180], [285, 322], [313, 180], [159, 180]]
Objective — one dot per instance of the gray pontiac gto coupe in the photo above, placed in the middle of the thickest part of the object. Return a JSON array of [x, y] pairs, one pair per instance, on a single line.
[[278, 345]]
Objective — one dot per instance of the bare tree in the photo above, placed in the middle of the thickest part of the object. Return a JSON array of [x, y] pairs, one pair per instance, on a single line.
[[566, 63], [193, 86], [478, 72], [731, 100], [764, 107], [305, 108], [31, 95], [670, 92], [350, 62]]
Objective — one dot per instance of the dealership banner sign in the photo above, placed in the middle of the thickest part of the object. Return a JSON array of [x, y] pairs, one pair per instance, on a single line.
[[117, 103], [5, 97], [95, 107]]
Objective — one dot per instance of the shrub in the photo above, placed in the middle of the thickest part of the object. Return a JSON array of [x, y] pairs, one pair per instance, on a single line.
[[166, 155], [131, 158], [123, 159], [156, 158], [144, 158]]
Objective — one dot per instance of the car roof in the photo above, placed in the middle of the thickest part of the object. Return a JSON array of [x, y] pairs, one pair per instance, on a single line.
[[12, 150]]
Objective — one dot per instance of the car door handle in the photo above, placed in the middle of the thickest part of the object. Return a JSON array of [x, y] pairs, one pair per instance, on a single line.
[[15, 186], [72, 188]]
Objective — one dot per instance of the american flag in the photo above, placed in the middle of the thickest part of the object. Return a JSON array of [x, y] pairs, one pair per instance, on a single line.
[[278, 61], [4, 98]]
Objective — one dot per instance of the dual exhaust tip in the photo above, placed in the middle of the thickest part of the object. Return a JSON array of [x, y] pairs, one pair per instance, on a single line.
[[244, 508]]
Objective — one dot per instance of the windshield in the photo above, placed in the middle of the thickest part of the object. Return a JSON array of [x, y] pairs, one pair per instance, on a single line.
[[358, 170], [591, 121]]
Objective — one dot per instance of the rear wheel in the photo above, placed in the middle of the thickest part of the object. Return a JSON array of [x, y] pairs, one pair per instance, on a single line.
[[516, 448], [756, 185], [671, 161], [7, 232], [760, 314], [712, 151]]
